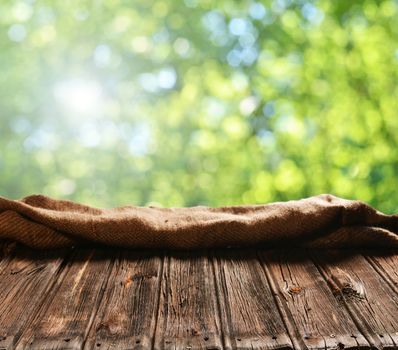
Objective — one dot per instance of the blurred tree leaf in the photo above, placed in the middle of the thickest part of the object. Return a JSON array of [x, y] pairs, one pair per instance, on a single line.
[[195, 102]]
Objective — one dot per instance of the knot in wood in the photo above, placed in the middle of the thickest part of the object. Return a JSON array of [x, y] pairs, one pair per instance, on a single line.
[[295, 290]]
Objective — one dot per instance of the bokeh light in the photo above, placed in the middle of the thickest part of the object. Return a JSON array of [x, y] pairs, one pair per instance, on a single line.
[[192, 102], [79, 96]]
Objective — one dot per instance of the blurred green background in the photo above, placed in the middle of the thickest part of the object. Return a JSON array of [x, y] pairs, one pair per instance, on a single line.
[[199, 102]]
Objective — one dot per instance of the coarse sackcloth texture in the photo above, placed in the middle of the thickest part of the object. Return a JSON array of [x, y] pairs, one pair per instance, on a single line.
[[321, 221]]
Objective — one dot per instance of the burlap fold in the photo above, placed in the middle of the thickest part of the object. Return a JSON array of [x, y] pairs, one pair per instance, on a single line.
[[322, 221]]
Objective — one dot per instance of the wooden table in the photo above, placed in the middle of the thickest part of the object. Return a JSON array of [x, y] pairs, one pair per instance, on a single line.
[[104, 298]]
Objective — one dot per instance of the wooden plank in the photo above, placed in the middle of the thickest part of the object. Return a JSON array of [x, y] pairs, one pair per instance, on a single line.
[[188, 314], [7, 250], [25, 281], [386, 264], [67, 314], [127, 315], [320, 321], [250, 318], [371, 301]]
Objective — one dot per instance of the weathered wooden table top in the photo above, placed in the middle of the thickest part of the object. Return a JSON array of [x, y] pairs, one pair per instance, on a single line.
[[106, 298]]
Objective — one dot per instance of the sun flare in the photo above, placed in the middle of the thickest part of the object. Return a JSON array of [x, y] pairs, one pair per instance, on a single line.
[[80, 96]]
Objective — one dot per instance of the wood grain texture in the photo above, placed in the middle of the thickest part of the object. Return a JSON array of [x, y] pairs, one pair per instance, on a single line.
[[250, 319], [188, 312], [386, 264], [127, 315], [371, 301], [243, 299], [320, 321], [25, 280], [67, 314]]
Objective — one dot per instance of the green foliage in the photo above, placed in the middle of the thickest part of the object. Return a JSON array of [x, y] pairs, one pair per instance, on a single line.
[[180, 103]]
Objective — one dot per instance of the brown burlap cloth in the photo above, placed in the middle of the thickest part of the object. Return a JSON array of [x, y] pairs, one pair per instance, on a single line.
[[322, 221]]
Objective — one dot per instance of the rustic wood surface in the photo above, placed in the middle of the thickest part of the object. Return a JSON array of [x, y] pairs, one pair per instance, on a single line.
[[320, 321], [66, 316], [26, 278], [249, 316], [127, 315], [188, 314], [228, 299], [370, 300]]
